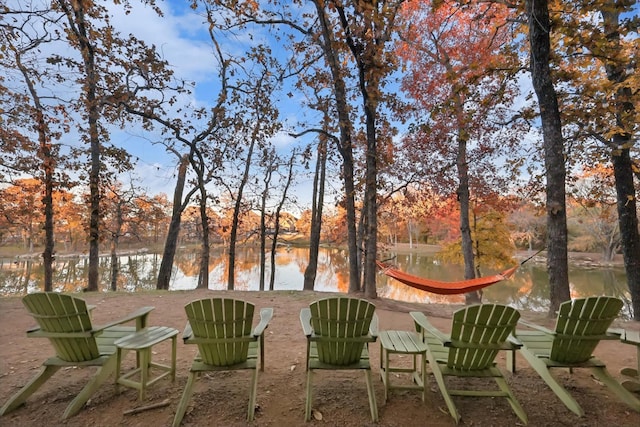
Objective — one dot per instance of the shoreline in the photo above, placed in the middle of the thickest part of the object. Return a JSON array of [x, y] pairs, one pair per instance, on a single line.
[[581, 259]]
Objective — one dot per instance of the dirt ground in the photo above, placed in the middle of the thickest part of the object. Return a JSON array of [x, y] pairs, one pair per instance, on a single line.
[[340, 398]]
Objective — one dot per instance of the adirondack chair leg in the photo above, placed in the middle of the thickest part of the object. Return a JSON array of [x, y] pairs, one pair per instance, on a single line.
[[307, 408], [541, 368], [184, 401], [372, 396], [252, 395], [443, 388], [20, 397], [515, 405], [628, 398], [85, 394]]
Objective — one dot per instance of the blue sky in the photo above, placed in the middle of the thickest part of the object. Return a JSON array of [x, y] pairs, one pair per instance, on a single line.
[[181, 38]]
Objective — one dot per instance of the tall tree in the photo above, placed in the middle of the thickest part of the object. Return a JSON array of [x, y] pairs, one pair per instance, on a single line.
[[554, 152], [107, 64], [596, 52], [367, 30], [118, 211], [288, 178], [23, 37], [461, 78], [171, 242]]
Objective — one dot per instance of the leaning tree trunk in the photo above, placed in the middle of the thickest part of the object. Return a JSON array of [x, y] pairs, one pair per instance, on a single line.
[[540, 44], [316, 215], [276, 228], [171, 244]]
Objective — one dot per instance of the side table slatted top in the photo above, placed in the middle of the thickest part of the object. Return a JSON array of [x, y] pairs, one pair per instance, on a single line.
[[141, 342], [403, 342]]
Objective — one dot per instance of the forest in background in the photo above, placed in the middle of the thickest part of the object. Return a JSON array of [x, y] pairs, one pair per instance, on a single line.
[[450, 120]]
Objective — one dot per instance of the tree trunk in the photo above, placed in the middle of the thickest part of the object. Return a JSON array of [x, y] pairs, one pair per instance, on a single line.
[[623, 166], [628, 220], [371, 192], [276, 228], [236, 214], [345, 147], [77, 23], [203, 275], [263, 227], [465, 227], [171, 244], [540, 44], [115, 236], [316, 215], [114, 262]]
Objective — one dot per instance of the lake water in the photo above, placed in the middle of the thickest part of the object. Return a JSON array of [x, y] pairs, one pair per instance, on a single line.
[[528, 289]]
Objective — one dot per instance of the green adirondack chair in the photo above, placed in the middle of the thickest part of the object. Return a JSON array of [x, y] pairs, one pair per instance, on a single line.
[[478, 333], [222, 330], [66, 321], [581, 324], [338, 332]]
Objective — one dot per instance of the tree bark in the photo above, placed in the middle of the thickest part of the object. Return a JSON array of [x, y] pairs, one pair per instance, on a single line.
[[236, 215], [263, 224], [626, 197], [540, 45], [171, 244], [203, 275], [345, 147], [316, 215], [276, 227], [464, 202]]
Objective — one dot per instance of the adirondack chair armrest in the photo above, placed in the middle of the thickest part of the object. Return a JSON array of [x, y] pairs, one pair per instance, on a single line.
[[187, 333], [603, 337], [536, 327], [423, 325], [514, 342], [373, 327], [305, 320], [618, 332], [265, 317], [487, 346], [140, 316]]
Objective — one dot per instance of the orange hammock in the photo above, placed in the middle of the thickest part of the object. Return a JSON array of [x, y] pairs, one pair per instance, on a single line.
[[446, 288]]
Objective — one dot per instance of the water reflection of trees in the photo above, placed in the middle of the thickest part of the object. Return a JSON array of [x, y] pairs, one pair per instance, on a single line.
[[527, 290]]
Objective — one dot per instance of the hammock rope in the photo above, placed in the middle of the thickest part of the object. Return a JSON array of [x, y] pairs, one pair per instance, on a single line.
[[448, 288]]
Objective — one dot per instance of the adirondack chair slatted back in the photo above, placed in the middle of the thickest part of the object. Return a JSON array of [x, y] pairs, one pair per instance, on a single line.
[[339, 323], [59, 313], [477, 333], [225, 327], [579, 324]]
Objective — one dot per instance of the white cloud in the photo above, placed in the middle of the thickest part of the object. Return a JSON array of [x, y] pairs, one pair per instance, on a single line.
[[180, 38]]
